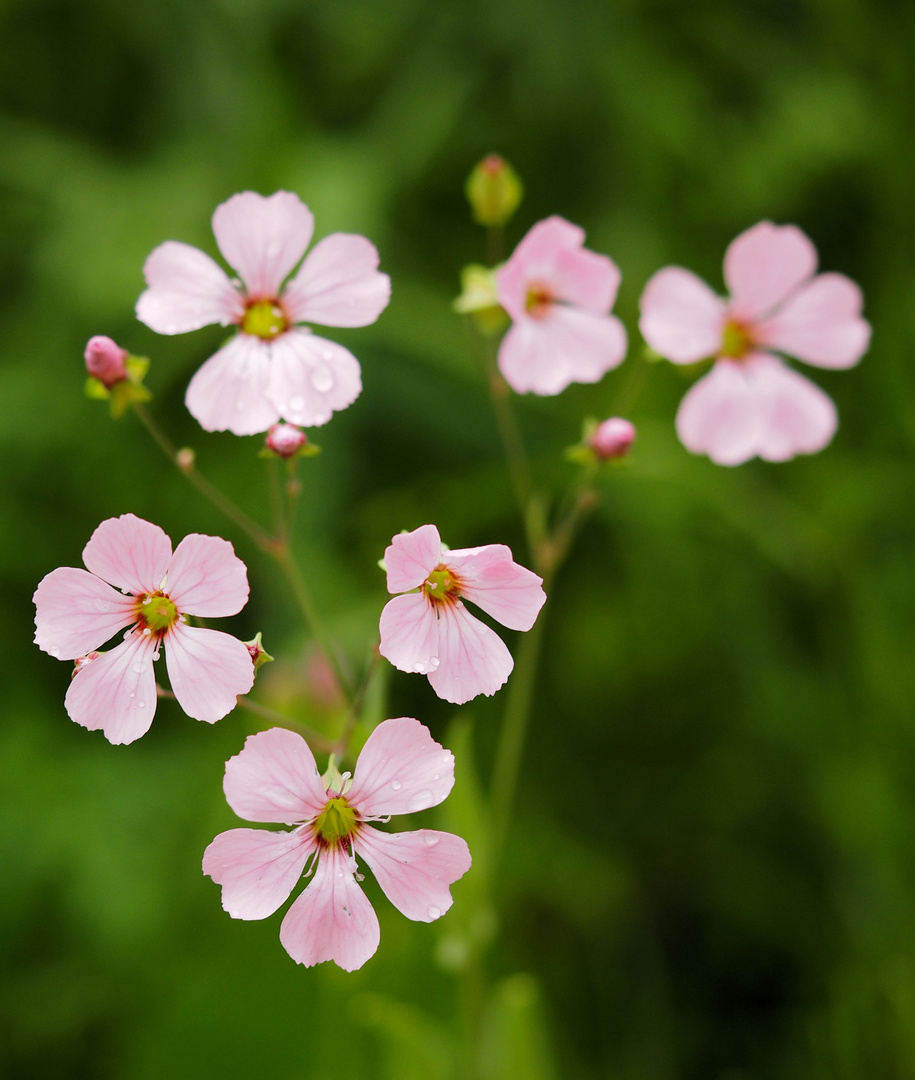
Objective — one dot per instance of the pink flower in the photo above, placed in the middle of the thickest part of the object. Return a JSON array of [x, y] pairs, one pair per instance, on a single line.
[[612, 438], [77, 611], [750, 403], [559, 296], [273, 368], [401, 770], [105, 360], [429, 630]]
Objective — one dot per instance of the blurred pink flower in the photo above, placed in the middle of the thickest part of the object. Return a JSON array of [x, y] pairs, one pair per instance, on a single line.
[[274, 779], [612, 438], [428, 630], [105, 360], [559, 296], [751, 403], [273, 368], [76, 611]]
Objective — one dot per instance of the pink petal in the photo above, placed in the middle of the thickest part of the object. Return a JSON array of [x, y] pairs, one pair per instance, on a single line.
[[544, 355], [820, 324], [797, 417], [116, 692], [187, 290], [262, 238], [473, 658], [415, 868], [256, 868], [339, 284], [332, 919], [130, 553], [764, 265], [206, 577], [409, 633], [492, 580], [229, 393], [411, 557], [76, 612], [401, 770], [208, 670], [720, 415], [586, 280], [682, 319], [534, 262], [274, 778], [311, 378]]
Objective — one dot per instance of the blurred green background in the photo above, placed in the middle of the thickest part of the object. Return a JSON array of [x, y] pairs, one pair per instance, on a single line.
[[712, 871]]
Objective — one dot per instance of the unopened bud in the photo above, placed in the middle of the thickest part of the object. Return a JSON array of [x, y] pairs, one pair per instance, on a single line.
[[494, 191], [106, 360], [612, 438], [258, 653], [285, 440]]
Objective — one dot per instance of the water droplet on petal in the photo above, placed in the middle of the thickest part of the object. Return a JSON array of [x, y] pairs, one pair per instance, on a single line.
[[434, 912], [322, 378], [296, 404], [339, 873], [139, 667], [102, 605], [396, 785], [141, 704], [422, 799], [435, 777], [435, 662], [55, 651], [431, 839], [132, 694]]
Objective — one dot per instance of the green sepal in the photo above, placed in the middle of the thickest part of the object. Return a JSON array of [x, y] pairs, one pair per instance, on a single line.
[[260, 655], [126, 394], [479, 299]]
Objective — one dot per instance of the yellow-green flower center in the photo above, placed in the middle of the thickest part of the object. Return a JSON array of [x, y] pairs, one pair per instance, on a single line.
[[336, 822], [441, 586], [538, 301], [264, 319], [157, 612], [735, 341]]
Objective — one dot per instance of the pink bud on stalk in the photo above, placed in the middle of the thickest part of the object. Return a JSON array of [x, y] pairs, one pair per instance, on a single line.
[[612, 438], [105, 360], [285, 440]]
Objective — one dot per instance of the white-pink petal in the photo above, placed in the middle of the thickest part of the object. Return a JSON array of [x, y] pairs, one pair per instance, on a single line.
[[116, 692], [311, 378], [415, 869], [332, 919], [400, 770], [186, 290], [472, 658], [229, 392], [262, 238], [764, 265], [206, 577], [533, 262], [409, 633], [129, 552], [796, 416], [339, 284], [820, 324], [719, 415], [586, 279], [76, 612], [492, 580], [411, 557], [256, 868], [681, 318], [208, 670], [274, 778]]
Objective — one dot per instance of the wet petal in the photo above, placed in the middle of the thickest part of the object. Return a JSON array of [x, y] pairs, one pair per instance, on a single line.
[[311, 378], [411, 557], [229, 392], [332, 919], [274, 778], [187, 290], [682, 319], [207, 578], [415, 868], [764, 265], [473, 659], [409, 633], [256, 868], [129, 552], [492, 580], [208, 670], [76, 612], [262, 238], [116, 692], [339, 284], [401, 770]]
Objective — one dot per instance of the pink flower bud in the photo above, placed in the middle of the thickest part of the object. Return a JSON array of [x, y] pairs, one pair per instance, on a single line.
[[285, 439], [612, 438], [494, 191], [105, 360]]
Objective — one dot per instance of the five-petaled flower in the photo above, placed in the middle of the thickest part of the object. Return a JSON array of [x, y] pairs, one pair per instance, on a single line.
[[559, 297], [273, 368], [77, 611], [751, 403], [428, 630], [274, 779]]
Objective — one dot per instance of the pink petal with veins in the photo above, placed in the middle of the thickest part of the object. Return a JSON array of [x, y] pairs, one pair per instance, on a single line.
[[274, 778], [129, 552], [186, 290], [492, 580], [208, 670], [256, 868], [206, 577], [339, 284], [229, 392], [311, 378], [411, 557], [76, 612], [409, 633], [116, 692], [472, 658]]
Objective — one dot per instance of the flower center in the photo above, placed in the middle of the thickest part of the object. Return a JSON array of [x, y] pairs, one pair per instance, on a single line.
[[156, 612], [736, 341], [442, 586], [336, 822], [264, 319], [539, 300]]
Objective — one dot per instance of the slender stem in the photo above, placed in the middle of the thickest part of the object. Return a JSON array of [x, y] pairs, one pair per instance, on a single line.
[[341, 746]]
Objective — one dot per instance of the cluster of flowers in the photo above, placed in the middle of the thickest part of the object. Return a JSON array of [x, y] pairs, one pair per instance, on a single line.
[[275, 375]]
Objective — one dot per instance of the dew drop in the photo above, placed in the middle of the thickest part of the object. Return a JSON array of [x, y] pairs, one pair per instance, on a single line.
[[55, 651], [139, 667], [132, 694], [322, 378], [421, 800], [141, 704], [296, 404], [102, 605], [396, 785], [147, 632], [435, 662], [431, 839], [339, 873], [434, 912], [435, 777]]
